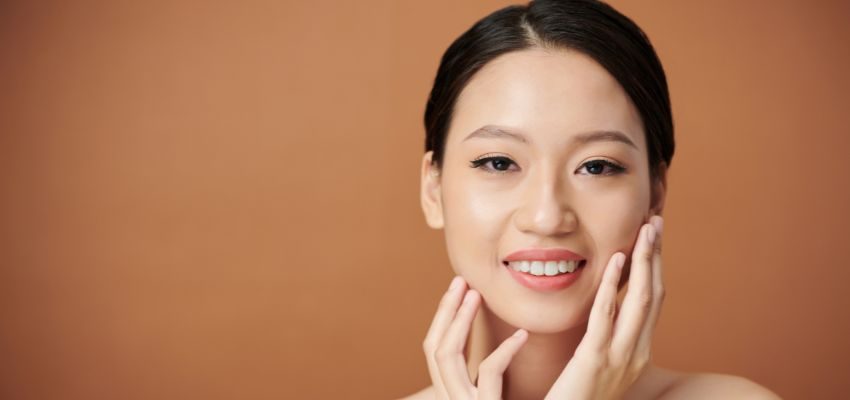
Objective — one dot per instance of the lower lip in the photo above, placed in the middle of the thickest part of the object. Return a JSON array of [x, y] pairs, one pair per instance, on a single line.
[[547, 283]]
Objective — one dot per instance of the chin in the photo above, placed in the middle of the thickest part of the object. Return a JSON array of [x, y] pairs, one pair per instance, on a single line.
[[539, 316]]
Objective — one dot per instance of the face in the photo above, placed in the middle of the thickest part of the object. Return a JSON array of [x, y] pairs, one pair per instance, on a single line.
[[561, 163]]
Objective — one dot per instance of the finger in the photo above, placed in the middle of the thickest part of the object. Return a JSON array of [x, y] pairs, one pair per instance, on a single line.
[[658, 291], [600, 323], [450, 358], [445, 314], [492, 369], [638, 300]]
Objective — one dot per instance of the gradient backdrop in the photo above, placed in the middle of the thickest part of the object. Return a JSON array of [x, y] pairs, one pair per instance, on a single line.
[[219, 200]]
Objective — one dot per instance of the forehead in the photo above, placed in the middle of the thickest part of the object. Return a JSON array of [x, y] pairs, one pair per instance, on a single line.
[[550, 94]]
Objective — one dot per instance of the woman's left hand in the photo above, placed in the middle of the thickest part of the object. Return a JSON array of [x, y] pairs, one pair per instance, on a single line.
[[616, 347]]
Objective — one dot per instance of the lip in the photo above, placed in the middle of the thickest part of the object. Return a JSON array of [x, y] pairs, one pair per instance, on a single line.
[[545, 283], [553, 254]]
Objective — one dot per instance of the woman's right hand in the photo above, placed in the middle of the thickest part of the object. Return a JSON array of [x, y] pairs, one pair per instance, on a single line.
[[444, 345]]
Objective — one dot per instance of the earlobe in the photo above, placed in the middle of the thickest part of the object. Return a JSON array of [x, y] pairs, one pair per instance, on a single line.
[[430, 192]]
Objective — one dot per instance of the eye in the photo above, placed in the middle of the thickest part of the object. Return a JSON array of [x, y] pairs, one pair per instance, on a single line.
[[601, 167], [492, 164]]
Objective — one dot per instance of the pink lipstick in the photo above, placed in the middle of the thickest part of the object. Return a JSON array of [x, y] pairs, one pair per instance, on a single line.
[[545, 269]]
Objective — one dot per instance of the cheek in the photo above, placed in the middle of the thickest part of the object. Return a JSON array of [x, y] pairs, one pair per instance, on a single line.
[[612, 219], [475, 221]]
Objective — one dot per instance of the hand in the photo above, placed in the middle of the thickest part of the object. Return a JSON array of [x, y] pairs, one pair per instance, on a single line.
[[444, 344], [609, 358], [616, 347]]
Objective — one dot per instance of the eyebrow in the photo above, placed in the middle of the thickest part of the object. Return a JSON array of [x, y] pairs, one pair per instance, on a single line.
[[493, 131]]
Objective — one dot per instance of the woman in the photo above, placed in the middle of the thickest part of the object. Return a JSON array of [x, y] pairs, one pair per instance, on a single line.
[[549, 134]]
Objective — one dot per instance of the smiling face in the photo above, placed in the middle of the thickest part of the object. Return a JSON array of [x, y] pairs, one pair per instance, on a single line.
[[545, 151]]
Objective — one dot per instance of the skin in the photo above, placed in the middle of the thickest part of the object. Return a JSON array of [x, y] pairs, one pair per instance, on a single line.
[[549, 187]]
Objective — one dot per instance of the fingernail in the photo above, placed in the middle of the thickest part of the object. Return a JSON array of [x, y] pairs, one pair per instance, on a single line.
[[456, 282], [520, 333], [650, 234], [621, 260]]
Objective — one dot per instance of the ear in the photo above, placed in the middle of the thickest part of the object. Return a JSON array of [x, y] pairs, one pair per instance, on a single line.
[[659, 190], [430, 195]]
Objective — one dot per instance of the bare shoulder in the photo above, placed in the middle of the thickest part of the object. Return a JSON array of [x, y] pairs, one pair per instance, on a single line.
[[673, 385], [427, 393], [715, 386]]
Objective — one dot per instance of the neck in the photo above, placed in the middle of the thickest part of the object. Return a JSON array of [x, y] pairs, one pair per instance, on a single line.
[[536, 365]]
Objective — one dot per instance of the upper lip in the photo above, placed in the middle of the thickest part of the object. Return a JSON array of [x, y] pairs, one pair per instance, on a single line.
[[551, 254]]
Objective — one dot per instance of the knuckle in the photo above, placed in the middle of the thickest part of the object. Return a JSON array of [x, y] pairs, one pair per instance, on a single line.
[[429, 345], [643, 299], [660, 294], [595, 361], [442, 353], [639, 362], [609, 308], [618, 360], [647, 256]]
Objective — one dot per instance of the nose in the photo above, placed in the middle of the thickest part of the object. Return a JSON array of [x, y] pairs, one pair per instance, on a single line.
[[545, 208]]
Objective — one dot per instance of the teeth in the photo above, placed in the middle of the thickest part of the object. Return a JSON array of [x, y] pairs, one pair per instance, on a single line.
[[537, 268], [548, 268], [551, 268]]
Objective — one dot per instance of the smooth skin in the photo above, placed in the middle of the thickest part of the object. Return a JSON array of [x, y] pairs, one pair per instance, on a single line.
[[611, 362], [549, 182], [606, 363]]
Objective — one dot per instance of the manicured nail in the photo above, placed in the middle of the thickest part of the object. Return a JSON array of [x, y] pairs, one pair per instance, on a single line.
[[456, 282], [620, 261], [520, 333]]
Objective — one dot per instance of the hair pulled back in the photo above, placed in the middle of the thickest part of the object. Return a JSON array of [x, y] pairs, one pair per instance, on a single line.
[[588, 26]]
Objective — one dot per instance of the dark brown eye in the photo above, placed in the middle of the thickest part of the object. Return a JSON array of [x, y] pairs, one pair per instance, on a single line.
[[601, 167], [493, 164], [501, 164]]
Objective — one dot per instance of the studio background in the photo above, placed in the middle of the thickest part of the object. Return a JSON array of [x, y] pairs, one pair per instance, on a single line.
[[219, 200]]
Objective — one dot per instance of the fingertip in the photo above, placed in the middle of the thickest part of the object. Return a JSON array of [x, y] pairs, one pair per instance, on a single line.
[[471, 296], [617, 260], [658, 223], [520, 334], [620, 261], [650, 234]]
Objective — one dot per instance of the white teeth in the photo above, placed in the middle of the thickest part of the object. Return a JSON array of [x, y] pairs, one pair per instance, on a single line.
[[537, 268], [548, 268]]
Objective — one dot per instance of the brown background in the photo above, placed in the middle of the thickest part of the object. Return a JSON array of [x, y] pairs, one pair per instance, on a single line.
[[219, 201]]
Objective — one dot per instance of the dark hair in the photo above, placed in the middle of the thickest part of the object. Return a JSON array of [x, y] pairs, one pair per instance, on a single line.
[[588, 26]]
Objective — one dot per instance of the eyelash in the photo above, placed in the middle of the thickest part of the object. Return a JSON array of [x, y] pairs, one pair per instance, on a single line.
[[482, 161]]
